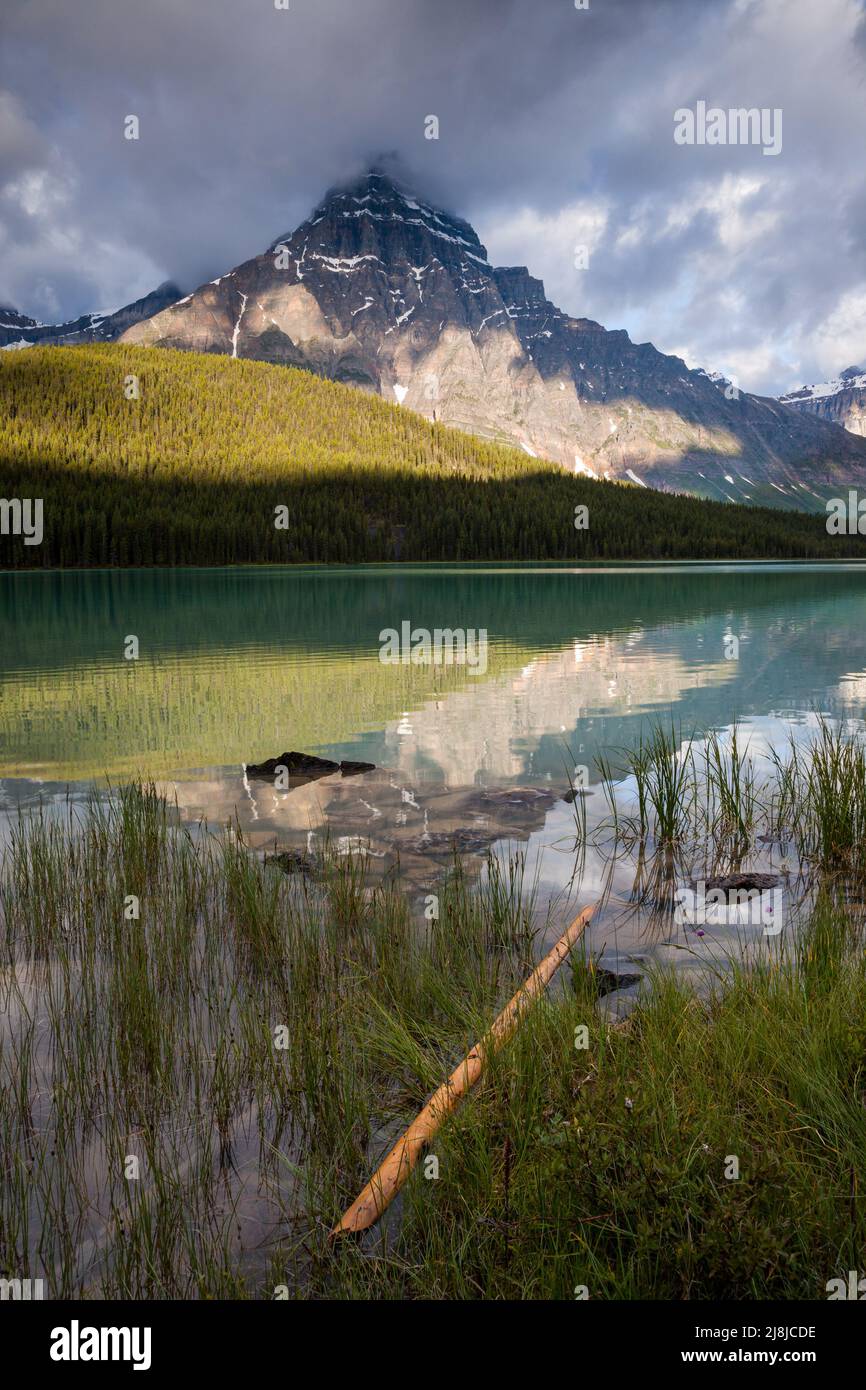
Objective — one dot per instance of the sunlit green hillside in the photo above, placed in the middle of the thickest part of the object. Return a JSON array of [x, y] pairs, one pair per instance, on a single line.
[[145, 457]]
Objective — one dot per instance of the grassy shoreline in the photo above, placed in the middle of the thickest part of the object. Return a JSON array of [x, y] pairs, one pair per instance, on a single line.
[[157, 1038]]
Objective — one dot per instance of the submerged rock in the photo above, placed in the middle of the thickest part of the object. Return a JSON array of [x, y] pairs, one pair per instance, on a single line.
[[295, 861], [463, 841], [729, 883], [606, 981], [508, 799]]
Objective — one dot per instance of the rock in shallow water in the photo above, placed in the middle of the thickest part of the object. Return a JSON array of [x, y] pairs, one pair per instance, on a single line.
[[604, 981], [744, 882], [293, 861], [462, 841], [306, 765]]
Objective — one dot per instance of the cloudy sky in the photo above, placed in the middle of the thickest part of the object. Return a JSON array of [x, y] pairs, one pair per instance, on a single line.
[[556, 132]]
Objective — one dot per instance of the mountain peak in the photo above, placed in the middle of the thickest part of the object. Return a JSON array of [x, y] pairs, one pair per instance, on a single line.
[[379, 185], [377, 217], [374, 184], [381, 289]]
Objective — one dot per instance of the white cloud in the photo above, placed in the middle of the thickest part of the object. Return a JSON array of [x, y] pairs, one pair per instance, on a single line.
[[557, 132], [735, 206], [549, 243], [840, 341]]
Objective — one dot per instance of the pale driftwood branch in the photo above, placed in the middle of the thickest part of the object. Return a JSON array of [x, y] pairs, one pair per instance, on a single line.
[[393, 1172]]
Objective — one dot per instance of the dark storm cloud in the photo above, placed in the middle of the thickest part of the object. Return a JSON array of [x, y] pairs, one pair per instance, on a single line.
[[556, 130]]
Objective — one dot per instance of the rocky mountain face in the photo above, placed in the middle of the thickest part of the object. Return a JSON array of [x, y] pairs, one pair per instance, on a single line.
[[385, 292], [841, 402], [19, 331]]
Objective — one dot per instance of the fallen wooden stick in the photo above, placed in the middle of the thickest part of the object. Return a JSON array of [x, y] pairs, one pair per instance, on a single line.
[[393, 1172]]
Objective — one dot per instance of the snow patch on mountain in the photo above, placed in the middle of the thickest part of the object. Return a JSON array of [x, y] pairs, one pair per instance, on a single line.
[[852, 379]]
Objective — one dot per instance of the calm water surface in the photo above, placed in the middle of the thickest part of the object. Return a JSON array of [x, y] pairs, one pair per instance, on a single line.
[[239, 665]]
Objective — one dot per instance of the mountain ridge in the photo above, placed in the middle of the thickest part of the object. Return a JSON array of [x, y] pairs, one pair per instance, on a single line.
[[841, 401], [87, 328]]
